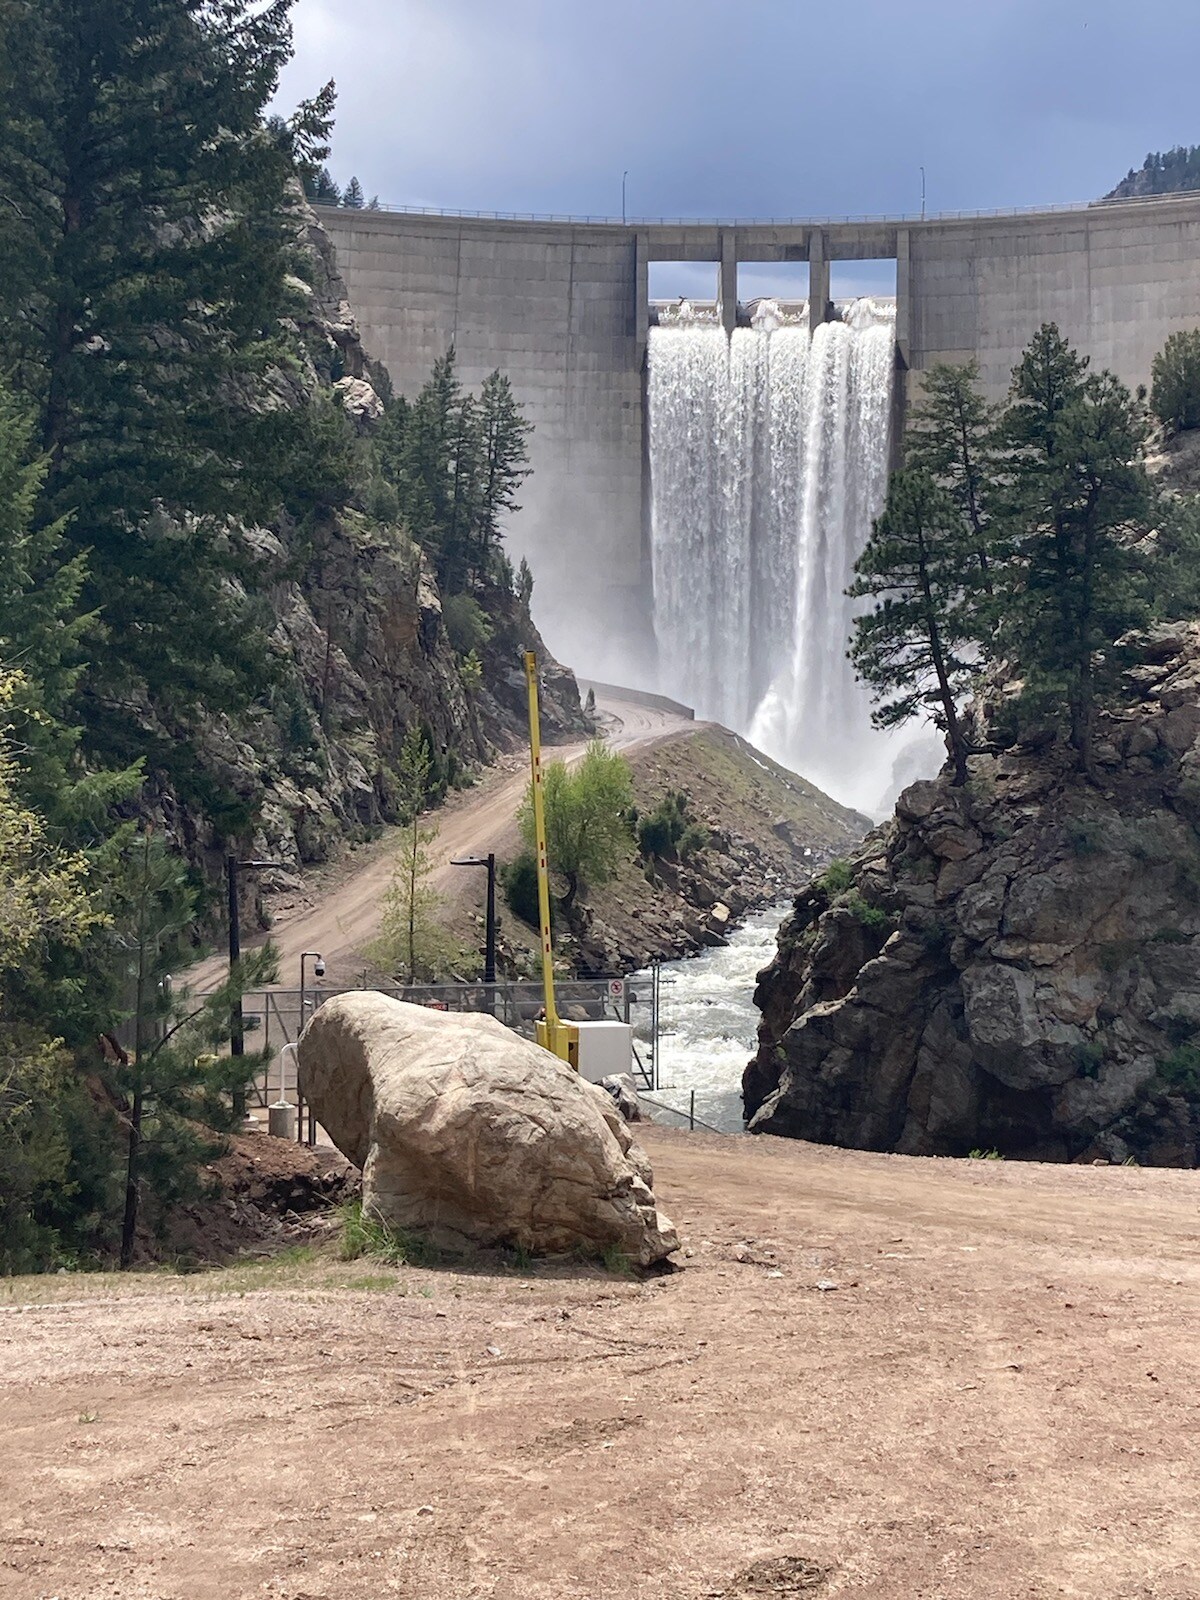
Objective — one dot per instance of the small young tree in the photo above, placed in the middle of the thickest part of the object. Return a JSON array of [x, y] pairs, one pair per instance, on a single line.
[[952, 439], [412, 939], [914, 648], [1077, 505], [587, 827], [1175, 382], [175, 1083]]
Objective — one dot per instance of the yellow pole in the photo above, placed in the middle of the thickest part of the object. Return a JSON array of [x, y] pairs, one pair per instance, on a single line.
[[552, 1034]]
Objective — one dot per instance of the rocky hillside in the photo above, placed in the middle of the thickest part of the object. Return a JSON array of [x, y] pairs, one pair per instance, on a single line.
[[1013, 965], [767, 829], [1164, 172], [361, 646]]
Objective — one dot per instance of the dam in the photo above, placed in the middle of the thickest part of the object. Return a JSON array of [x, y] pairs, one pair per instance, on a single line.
[[563, 307]]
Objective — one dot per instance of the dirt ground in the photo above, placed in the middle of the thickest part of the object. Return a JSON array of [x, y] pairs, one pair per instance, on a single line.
[[873, 1376]]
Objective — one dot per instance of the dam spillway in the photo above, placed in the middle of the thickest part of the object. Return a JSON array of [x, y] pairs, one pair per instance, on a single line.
[[768, 452], [562, 306]]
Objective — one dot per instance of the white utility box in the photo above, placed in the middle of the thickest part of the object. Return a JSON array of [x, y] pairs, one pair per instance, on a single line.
[[605, 1048]]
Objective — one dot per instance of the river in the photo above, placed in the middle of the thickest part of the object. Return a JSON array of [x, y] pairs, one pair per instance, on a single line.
[[708, 1023]]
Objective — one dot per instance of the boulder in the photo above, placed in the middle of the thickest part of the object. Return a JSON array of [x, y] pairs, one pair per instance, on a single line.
[[469, 1135]]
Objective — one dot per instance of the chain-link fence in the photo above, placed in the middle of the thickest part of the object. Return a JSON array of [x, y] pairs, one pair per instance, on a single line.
[[274, 1018]]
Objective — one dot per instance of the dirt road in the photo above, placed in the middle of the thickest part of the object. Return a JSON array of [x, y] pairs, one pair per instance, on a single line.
[[874, 1377], [343, 914]]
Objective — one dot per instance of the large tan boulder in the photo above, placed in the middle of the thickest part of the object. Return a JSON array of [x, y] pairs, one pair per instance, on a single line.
[[468, 1134]]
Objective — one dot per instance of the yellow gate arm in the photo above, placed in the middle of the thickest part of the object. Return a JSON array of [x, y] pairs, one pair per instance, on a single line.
[[560, 1038]]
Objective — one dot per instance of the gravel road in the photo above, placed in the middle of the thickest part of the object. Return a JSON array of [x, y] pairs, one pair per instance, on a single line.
[[342, 914]]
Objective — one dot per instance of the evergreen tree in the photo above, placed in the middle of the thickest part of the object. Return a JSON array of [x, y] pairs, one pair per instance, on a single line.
[[1075, 502], [503, 464], [353, 197], [44, 897], [1175, 382], [323, 189], [953, 440], [913, 649], [174, 1084], [145, 242]]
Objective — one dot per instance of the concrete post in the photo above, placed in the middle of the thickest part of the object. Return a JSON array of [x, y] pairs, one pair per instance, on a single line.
[[818, 280], [727, 282], [641, 296], [903, 294]]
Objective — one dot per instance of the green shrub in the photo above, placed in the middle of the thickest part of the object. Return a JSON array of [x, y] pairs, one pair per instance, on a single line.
[[870, 916], [1181, 1069], [519, 886], [1175, 386], [837, 878], [467, 625], [1089, 1058], [668, 830]]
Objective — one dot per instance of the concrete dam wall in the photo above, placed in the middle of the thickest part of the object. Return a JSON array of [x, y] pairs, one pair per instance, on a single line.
[[563, 308]]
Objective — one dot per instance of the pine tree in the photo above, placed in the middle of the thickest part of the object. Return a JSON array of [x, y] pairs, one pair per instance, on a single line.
[[174, 1084], [145, 242], [1075, 504], [45, 897], [353, 197], [1175, 382], [952, 438], [914, 649], [503, 464], [323, 189]]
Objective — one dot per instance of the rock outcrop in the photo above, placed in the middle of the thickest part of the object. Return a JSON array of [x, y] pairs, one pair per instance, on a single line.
[[469, 1135], [361, 649], [1013, 965]]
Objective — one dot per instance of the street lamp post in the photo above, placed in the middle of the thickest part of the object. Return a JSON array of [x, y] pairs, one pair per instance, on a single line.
[[624, 175], [922, 194], [237, 1035], [318, 971], [489, 947]]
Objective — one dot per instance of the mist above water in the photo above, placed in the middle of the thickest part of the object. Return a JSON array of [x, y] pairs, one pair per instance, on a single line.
[[768, 459]]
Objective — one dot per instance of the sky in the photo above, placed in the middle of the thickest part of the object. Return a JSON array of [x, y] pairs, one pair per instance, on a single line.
[[747, 108]]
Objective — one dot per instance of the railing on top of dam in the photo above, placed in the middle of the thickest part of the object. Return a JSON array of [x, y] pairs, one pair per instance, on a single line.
[[895, 219]]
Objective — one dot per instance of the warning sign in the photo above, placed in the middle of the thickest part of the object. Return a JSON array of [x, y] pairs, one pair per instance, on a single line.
[[616, 988]]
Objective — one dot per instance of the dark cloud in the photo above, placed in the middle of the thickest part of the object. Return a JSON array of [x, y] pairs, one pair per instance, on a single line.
[[765, 108]]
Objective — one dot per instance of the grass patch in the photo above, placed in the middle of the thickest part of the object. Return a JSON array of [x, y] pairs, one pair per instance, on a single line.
[[375, 1280], [365, 1235], [614, 1260], [985, 1155]]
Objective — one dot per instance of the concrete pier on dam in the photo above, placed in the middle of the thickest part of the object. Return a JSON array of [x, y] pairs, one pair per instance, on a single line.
[[563, 307]]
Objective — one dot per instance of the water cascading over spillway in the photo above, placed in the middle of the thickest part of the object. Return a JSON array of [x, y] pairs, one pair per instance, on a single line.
[[768, 460]]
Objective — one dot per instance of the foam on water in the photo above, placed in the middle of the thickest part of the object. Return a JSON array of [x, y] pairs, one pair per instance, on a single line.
[[768, 460], [708, 1023]]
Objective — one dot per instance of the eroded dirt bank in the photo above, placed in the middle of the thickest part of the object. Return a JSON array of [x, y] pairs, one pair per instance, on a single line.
[[996, 1400]]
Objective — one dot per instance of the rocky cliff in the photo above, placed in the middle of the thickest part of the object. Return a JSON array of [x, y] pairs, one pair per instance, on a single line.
[[361, 648], [1013, 965]]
